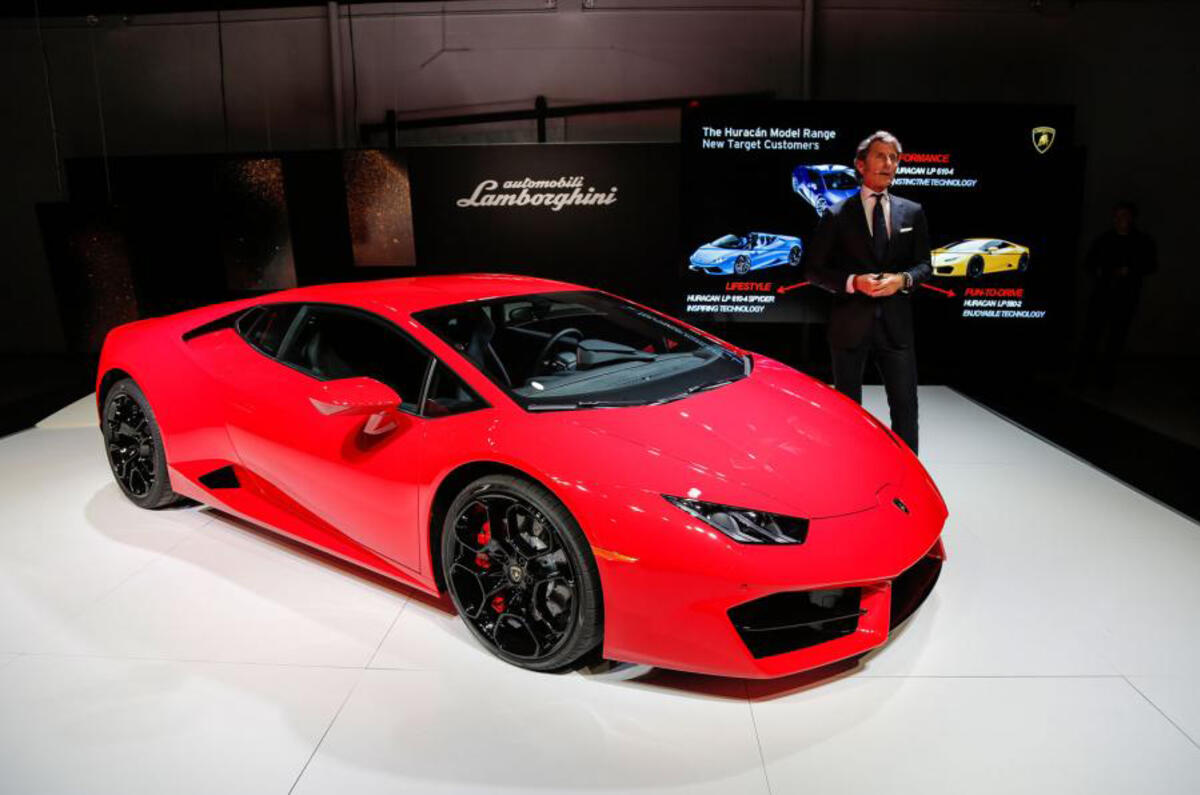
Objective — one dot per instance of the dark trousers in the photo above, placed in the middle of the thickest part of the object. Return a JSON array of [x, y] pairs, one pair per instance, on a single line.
[[1110, 313], [897, 367]]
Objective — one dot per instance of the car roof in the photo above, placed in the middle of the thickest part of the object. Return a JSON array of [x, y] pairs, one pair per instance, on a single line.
[[415, 293]]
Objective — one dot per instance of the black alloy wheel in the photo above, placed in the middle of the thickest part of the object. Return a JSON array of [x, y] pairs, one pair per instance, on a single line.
[[521, 574], [134, 447], [741, 266], [975, 267], [1023, 263], [794, 256]]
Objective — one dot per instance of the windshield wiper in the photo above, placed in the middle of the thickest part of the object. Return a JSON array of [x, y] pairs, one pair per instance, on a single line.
[[589, 404], [593, 353], [691, 390]]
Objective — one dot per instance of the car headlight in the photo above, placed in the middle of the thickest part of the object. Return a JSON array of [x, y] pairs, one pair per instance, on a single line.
[[743, 524]]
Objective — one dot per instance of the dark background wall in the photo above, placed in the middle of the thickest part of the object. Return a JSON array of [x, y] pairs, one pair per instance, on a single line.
[[276, 79]]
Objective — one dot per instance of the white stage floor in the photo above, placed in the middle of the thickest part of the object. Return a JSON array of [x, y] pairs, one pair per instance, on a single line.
[[180, 651]]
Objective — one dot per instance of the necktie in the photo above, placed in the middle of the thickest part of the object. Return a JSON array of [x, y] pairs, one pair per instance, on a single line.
[[879, 233]]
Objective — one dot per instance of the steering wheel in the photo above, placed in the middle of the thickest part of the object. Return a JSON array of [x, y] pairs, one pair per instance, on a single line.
[[540, 362]]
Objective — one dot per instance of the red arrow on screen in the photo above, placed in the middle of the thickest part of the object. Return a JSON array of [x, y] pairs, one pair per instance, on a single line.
[[791, 287], [949, 293]]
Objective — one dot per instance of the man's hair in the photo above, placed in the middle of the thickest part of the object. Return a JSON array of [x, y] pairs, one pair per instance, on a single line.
[[879, 135], [1126, 204]]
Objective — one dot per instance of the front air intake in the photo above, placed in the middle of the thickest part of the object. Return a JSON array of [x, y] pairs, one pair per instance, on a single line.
[[911, 588], [785, 622]]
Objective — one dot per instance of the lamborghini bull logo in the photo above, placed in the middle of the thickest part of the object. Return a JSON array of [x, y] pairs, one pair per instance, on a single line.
[[1043, 139]]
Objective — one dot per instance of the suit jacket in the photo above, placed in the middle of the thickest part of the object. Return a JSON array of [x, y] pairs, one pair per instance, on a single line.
[[843, 246]]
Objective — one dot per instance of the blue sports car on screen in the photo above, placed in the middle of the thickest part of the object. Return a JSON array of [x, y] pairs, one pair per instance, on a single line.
[[824, 186], [737, 255]]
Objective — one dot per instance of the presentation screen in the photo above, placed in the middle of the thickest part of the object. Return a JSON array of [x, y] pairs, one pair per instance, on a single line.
[[998, 184]]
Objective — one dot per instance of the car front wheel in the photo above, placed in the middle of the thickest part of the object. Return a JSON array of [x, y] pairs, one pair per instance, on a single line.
[[521, 574]]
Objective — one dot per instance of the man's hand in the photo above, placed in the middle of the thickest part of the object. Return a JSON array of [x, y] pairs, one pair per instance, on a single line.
[[878, 285]]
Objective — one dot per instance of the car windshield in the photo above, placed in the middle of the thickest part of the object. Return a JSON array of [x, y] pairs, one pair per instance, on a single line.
[[582, 349], [966, 245], [840, 180], [730, 241]]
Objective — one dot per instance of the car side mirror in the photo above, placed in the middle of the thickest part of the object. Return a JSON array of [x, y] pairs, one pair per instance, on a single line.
[[360, 396]]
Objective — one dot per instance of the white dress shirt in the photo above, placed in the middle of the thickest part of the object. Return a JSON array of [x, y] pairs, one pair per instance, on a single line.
[[868, 203]]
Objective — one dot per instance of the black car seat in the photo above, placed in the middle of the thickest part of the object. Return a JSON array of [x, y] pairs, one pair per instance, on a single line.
[[480, 350], [323, 360]]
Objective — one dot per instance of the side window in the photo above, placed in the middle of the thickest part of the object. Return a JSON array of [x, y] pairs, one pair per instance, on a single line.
[[264, 327], [331, 343], [449, 395]]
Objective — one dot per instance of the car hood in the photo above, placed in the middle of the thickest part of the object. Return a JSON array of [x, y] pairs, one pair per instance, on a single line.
[[712, 254], [776, 438]]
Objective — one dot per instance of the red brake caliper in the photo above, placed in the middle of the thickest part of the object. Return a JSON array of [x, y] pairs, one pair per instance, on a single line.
[[484, 537], [481, 560]]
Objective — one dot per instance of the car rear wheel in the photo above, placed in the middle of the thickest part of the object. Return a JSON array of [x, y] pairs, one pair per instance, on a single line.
[[742, 265], [1023, 263], [134, 447], [821, 205], [521, 574], [794, 256], [975, 267]]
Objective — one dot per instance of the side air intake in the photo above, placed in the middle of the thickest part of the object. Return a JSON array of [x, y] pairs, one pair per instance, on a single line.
[[223, 478]]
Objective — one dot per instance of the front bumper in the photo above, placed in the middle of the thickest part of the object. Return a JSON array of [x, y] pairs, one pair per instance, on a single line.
[[712, 269], [766, 612], [951, 269], [834, 623]]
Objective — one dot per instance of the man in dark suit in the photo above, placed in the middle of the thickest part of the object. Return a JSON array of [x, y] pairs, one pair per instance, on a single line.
[[870, 251]]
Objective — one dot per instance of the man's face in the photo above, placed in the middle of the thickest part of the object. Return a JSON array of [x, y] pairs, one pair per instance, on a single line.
[[878, 169], [1123, 220]]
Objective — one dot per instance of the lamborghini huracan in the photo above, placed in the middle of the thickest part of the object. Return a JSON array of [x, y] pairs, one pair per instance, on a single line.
[[731, 255], [979, 255], [582, 475], [825, 185]]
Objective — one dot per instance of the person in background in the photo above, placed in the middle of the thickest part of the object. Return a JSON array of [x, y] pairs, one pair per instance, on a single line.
[[1116, 264], [870, 250]]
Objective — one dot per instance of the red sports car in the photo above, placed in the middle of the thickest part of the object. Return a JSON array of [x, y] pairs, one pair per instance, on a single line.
[[582, 474]]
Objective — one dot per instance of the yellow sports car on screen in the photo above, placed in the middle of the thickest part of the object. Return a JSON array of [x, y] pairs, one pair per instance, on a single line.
[[979, 255]]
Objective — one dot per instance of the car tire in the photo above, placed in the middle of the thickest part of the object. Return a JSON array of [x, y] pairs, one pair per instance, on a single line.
[[1023, 263], [134, 447], [821, 205], [975, 268], [794, 256], [521, 574], [741, 266]]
